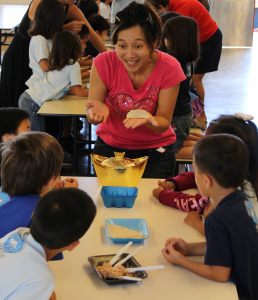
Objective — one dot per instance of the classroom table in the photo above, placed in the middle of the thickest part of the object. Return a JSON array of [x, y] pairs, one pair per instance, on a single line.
[[68, 106], [76, 278], [10, 18]]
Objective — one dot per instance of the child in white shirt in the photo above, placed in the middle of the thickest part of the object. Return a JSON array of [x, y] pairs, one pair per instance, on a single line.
[[48, 20], [64, 73], [105, 9]]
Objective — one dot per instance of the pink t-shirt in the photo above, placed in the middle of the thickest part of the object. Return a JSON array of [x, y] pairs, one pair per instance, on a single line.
[[122, 97]]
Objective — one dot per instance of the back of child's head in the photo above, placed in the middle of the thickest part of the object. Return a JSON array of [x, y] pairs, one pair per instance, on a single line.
[[29, 162], [247, 132], [98, 23], [165, 16], [181, 34], [225, 157], [89, 8], [66, 50], [84, 32], [10, 119], [48, 19], [61, 217]]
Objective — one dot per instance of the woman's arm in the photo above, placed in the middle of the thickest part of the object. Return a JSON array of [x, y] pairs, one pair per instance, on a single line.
[[161, 121], [75, 13]]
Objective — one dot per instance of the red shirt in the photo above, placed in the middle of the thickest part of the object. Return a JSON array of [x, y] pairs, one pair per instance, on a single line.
[[195, 10]]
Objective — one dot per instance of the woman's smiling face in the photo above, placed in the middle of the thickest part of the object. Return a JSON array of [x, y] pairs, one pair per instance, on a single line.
[[132, 49]]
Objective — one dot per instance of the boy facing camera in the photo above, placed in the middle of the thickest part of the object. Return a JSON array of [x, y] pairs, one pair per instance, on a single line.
[[60, 219], [31, 165], [221, 165]]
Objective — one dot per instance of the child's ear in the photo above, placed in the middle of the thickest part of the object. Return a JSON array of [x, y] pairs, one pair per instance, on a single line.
[[50, 182], [98, 33], [208, 181], [73, 245]]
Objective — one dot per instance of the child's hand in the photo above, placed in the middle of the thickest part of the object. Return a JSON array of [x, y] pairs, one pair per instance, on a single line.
[[133, 123], [167, 185], [53, 296], [192, 217], [99, 112], [179, 245], [172, 255], [71, 183], [208, 209], [157, 191]]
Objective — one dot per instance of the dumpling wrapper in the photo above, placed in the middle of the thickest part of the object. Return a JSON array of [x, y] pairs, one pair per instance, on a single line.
[[117, 231], [137, 114]]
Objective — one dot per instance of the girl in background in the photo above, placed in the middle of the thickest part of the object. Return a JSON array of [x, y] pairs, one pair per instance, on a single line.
[[48, 20], [64, 73], [180, 39]]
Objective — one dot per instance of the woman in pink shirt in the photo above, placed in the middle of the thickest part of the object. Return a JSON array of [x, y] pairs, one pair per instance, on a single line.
[[136, 76]]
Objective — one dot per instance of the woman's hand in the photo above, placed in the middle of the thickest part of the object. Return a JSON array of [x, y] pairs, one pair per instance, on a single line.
[[99, 112], [74, 26], [133, 123]]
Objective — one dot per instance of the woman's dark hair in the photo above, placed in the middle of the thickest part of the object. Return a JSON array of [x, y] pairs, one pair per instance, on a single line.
[[89, 8], [152, 32], [61, 217], [181, 34], [48, 20], [247, 132], [66, 50], [84, 31], [98, 23]]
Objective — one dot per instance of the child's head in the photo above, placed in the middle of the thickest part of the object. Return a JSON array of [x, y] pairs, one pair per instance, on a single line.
[[30, 163], [165, 16], [48, 19], [89, 8], [247, 132], [13, 121], [84, 35], [100, 25], [180, 39], [66, 50], [223, 157], [62, 217]]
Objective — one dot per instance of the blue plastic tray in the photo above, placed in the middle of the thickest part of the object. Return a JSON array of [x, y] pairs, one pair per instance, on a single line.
[[135, 224], [115, 196]]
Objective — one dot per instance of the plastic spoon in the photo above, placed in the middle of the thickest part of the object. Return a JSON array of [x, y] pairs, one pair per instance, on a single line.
[[127, 257], [114, 259], [130, 270], [129, 278]]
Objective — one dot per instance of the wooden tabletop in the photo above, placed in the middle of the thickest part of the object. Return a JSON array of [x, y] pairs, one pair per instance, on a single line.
[[11, 15], [76, 278]]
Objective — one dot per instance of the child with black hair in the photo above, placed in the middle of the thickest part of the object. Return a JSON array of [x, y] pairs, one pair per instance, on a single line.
[[31, 164], [170, 193], [60, 220], [101, 27], [48, 20], [180, 39], [13, 121], [221, 165], [89, 8], [64, 73]]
